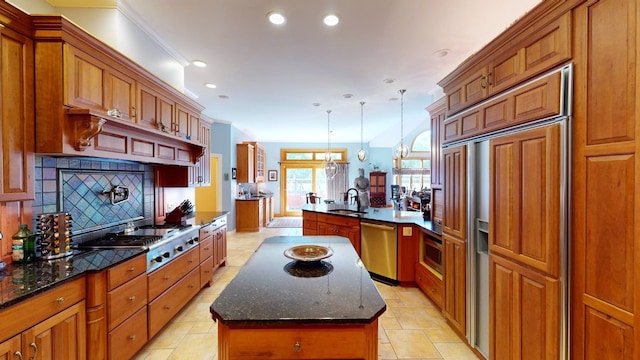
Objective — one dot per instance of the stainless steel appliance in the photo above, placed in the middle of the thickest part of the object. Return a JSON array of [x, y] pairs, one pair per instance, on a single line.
[[432, 253], [163, 242], [379, 249]]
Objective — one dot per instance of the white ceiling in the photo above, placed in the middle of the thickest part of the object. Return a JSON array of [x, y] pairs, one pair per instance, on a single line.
[[273, 74]]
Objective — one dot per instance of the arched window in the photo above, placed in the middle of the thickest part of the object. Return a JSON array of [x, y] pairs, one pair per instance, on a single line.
[[422, 142]]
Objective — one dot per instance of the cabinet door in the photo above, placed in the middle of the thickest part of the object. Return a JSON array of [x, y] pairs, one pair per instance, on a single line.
[[467, 90], [245, 162], [9, 349], [260, 163], [120, 94], [525, 198], [437, 114], [455, 269], [180, 125], [61, 336], [16, 117], [84, 80], [524, 312], [455, 192]]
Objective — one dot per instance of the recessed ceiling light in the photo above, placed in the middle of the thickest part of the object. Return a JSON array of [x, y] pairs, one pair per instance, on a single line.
[[223, 97], [393, 99], [316, 104], [347, 96], [199, 63], [331, 20], [210, 85], [441, 53], [389, 81], [276, 18]]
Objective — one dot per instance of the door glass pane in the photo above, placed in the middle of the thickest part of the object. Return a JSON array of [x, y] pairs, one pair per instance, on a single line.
[[299, 183]]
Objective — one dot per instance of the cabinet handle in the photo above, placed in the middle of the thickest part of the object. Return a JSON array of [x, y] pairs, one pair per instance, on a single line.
[[35, 350], [132, 269], [489, 79], [166, 278], [132, 298], [134, 112], [191, 286], [206, 249], [483, 82], [132, 337], [18, 354], [297, 347], [60, 300], [167, 307]]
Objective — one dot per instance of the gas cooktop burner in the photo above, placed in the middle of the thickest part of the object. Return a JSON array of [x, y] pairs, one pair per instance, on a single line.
[[121, 241]]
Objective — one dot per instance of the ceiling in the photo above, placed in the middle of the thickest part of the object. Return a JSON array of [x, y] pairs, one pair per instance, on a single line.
[[268, 77]]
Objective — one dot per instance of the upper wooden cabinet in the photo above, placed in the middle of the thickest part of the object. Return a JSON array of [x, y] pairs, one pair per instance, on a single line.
[[245, 154], [259, 161], [437, 115], [540, 47], [16, 116], [93, 101]]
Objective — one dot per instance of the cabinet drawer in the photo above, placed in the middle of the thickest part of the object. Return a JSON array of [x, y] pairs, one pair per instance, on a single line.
[[161, 279], [126, 300], [206, 248], [307, 343], [206, 272], [205, 231], [167, 305], [430, 284], [339, 220], [126, 271], [128, 338]]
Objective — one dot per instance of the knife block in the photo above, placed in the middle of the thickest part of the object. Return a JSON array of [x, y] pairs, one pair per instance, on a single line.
[[176, 216]]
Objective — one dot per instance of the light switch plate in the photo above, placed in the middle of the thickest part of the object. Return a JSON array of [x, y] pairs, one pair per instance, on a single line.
[[407, 231]]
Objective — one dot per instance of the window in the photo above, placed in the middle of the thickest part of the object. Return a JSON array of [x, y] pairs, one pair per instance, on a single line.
[[414, 174], [422, 142]]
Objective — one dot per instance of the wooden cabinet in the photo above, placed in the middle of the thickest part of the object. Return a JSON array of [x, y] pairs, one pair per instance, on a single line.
[[200, 173], [455, 192], [305, 342], [309, 223], [16, 116], [117, 309], [407, 241], [340, 226], [154, 110], [252, 165], [267, 210], [206, 247], [220, 247], [524, 312], [245, 154], [249, 215], [455, 275], [542, 46], [430, 282], [437, 116], [51, 325], [378, 188], [604, 239]]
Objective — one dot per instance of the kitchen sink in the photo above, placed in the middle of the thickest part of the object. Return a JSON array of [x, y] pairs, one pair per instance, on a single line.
[[347, 212]]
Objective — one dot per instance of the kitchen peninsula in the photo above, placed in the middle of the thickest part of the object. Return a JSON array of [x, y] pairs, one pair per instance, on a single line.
[[279, 308]]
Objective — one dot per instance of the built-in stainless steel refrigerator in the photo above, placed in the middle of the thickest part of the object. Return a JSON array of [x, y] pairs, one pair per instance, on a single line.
[[478, 220]]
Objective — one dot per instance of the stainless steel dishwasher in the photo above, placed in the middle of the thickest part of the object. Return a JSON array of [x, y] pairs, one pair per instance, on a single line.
[[379, 248]]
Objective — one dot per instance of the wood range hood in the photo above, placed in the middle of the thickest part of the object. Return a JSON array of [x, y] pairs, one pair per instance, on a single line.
[[93, 101]]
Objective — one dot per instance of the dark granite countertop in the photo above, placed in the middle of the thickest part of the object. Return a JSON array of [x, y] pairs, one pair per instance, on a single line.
[[377, 214], [272, 290], [204, 218], [20, 281]]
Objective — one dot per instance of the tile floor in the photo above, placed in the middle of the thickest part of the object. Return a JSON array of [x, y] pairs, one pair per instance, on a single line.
[[411, 328]]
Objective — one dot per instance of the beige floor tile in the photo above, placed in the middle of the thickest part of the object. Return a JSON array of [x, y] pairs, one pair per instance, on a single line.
[[442, 334], [385, 351], [154, 354], [196, 347], [455, 351], [170, 336], [412, 344]]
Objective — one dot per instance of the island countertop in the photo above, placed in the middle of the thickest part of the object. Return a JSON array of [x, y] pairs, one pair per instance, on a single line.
[[377, 214], [273, 290]]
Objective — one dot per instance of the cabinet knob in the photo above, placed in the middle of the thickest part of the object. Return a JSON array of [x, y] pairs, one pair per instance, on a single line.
[[132, 298], [167, 307], [132, 337], [60, 300], [297, 347], [132, 269]]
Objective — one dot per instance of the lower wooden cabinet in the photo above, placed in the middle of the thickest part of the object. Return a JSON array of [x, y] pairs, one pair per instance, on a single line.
[[220, 247], [166, 306], [430, 282], [340, 226], [129, 337], [455, 288], [309, 223], [308, 342], [524, 312], [249, 215], [61, 336]]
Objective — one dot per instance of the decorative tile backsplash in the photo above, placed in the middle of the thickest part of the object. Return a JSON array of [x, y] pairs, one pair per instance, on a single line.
[[75, 185]]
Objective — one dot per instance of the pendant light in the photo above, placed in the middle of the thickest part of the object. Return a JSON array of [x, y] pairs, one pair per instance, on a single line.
[[330, 165], [402, 151], [362, 154]]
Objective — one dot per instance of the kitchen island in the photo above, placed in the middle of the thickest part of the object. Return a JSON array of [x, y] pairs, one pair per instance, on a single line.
[[279, 308]]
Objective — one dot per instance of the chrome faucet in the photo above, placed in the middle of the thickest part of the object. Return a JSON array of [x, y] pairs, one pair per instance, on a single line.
[[357, 197]]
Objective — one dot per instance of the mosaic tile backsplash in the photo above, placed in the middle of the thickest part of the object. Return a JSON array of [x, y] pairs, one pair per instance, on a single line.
[[75, 185]]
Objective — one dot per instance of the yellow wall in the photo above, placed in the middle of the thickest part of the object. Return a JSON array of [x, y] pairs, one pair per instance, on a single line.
[[207, 196]]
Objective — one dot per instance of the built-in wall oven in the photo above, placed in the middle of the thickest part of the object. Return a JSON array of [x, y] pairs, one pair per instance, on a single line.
[[432, 253]]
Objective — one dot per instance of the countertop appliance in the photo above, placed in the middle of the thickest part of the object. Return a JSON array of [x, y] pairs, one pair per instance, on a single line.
[[379, 250], [162, 242]]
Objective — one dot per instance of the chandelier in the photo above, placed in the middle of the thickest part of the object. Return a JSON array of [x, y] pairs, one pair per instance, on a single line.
[[402, 151], [362, 154], [330, 165]]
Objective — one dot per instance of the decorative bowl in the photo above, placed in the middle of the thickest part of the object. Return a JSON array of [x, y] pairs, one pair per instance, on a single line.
[[308, 253]]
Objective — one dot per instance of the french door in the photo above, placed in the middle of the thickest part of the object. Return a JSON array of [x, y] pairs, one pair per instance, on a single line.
[[297, 181]]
